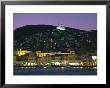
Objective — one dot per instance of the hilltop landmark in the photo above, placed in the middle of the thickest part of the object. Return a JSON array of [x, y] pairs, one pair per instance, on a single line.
[[60, 27]]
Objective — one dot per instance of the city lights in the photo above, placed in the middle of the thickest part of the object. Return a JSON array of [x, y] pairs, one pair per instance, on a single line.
[[53, 59], [55, 44]]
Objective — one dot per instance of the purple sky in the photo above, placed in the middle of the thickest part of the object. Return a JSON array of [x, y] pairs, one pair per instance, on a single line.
[[83, 21]]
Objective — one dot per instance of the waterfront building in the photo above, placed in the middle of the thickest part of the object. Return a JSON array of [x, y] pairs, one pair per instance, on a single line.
[[21, 52]]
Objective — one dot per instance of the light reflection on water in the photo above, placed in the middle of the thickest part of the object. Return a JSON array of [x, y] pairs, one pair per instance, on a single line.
[[55, 71]]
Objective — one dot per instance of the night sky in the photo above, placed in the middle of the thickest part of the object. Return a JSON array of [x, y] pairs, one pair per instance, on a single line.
[[82, 21]]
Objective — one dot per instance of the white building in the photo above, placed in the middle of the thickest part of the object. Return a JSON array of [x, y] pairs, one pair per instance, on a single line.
[[94, 57], [60, 27]]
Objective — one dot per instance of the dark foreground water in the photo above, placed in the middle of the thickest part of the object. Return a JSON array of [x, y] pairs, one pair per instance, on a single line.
[[55, 71]]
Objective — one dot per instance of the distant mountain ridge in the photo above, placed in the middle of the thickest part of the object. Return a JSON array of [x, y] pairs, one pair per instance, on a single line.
[[48, 38]]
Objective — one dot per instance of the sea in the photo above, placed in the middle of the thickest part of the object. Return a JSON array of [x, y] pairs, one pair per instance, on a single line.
[[55, 71]]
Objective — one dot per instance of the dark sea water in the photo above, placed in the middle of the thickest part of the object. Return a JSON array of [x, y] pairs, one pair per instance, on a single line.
[[55, 71]]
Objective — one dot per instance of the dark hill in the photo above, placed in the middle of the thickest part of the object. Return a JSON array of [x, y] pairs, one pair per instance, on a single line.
[[48, 39]]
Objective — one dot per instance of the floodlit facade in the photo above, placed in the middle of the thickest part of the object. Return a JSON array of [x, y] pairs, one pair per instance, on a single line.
[[61, 27], [22, 52]]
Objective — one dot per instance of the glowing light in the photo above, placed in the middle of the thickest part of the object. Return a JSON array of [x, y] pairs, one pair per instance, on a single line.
[[81, 67], [74, 67], [29, 64], [81, 63], [95, 67], [21, 52], [57, 63], [94, 57], [24, 64], [41, 63], [74, 64], [61, 27], [62, 67], [45, 67]]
